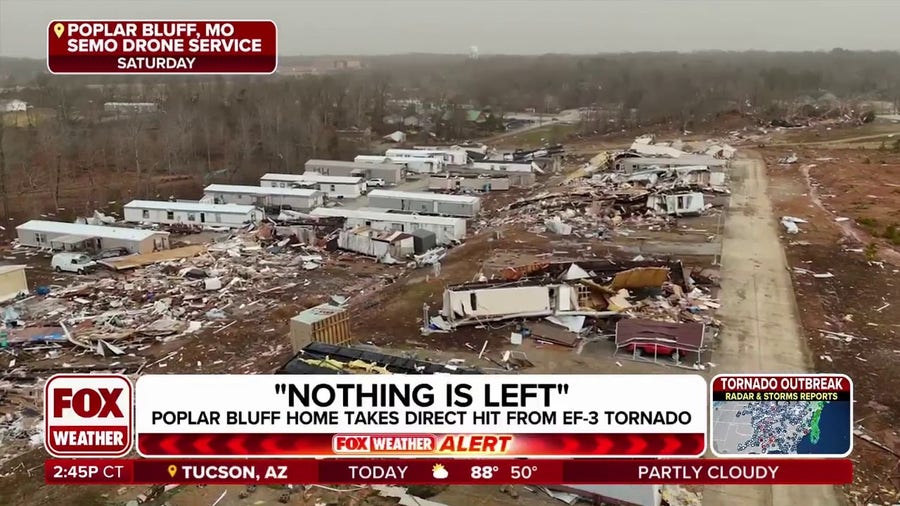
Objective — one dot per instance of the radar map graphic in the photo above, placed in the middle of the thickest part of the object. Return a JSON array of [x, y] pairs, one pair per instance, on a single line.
[[781, 427]]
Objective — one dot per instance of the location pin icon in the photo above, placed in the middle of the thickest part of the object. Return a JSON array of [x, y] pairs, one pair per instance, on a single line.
[[58, 29], [172, 470]]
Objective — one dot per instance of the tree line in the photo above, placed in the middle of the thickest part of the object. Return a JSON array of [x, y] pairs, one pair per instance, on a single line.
[[69, 149]]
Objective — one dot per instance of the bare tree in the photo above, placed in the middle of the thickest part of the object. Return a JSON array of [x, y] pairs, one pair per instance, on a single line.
[[3, 190]]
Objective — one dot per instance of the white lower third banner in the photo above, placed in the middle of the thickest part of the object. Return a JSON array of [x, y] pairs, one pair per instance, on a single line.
[[339, 415]]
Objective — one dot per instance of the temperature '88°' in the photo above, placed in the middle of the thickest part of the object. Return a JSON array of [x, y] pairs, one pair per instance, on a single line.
[[483, 472]]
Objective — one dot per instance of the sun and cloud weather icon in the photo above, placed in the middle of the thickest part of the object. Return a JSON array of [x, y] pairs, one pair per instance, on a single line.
[[439, 472]]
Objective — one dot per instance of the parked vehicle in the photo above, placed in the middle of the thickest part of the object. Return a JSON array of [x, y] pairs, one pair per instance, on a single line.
[[72, 262], [376, 183], [651, 349], [111, 253]]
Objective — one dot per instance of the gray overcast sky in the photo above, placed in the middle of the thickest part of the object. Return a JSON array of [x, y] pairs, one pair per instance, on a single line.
[[497, 26]]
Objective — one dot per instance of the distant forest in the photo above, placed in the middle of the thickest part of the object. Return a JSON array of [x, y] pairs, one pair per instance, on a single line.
[[236, 128]]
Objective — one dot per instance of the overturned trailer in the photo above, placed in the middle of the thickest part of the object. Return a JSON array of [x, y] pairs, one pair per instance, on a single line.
[[384, 245], [447, 230], [562, 289]]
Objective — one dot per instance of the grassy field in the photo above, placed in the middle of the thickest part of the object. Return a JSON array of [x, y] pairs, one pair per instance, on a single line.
[[24, 119], [550, 134]]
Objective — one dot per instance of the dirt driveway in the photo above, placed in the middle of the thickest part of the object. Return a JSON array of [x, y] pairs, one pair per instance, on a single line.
[[760, 331]]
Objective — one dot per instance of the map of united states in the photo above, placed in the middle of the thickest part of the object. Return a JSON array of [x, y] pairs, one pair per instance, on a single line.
[[761, 427]]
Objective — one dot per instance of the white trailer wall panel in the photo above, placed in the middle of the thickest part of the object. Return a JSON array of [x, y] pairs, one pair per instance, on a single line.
[[191, 213]]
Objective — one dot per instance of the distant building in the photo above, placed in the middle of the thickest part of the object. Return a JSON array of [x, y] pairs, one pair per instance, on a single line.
[[398, 137], [130, 107], [347, 64], [14, 105], [477, 117]]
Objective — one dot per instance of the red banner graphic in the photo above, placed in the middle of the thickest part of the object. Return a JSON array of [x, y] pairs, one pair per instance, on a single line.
[[162, 47], [451, 471], [517, 445]]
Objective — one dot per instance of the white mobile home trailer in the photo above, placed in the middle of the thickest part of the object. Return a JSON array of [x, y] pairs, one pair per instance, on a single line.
[[465, 206], [375, 159], [265, 196], [505, 166], [191, 213], [423, 165], [516, 179], [418, 161], [446, 230], [456, 183], [418, 165], [64, 236], [339, 187], [391, 173], [452, 155]]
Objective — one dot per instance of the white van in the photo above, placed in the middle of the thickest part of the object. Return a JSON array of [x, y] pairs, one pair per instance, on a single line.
[[72, 262]]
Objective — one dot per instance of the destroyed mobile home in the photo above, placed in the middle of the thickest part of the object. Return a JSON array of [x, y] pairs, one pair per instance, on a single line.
[[603, 203], [569, 293], [386, 246], [447, 230]]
